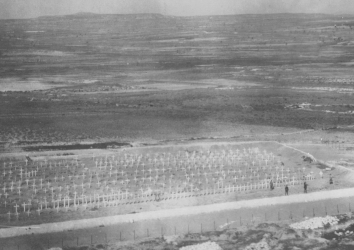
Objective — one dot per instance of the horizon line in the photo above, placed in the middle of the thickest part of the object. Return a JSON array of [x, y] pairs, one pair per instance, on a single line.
[[165, 15]]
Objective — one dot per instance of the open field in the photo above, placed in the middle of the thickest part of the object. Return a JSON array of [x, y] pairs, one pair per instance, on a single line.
[[147, 78]]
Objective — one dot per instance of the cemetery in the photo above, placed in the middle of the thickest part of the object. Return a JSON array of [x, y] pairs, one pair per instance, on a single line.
[[38, 187]]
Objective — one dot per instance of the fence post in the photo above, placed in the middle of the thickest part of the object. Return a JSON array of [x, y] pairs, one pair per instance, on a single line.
[[337, 209], [326, 210], [313, 210], [240, 221]]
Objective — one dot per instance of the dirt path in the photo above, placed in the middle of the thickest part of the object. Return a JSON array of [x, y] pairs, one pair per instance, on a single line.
[[330, 163], [298, 150]]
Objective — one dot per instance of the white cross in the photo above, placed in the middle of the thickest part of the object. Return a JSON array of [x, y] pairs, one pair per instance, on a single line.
[[68, 199], [24, 207], [16, 206]]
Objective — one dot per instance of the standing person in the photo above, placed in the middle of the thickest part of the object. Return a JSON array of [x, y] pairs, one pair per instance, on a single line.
[[305, 187], [286, 190], [271, 185], [331, 180], [321, 174]]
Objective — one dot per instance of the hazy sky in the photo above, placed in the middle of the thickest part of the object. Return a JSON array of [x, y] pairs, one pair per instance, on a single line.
[[34, 8]]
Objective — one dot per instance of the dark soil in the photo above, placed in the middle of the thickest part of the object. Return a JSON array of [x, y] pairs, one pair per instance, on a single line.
[[78, 146]]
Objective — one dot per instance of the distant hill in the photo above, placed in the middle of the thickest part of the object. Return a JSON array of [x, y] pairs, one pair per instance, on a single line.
[[80, 15], [83, 14]]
